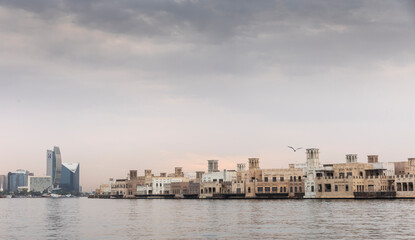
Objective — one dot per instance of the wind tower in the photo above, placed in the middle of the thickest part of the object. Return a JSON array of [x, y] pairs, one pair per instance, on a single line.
[[213, 166], [351, 158], [313, 158], [253, 163]]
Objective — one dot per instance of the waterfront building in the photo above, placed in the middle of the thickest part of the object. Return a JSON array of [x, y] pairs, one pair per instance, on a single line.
[[219, 176], [69, 181], [144, 190], [209, 189], [188, 189], [179, 188], [39, 184], [3, 183], [17, 179], [361, 180], [216, 182], [134, 181], [162, 184], [54, 165], [194, 189], [159, 183], [404, 185], [269, 183], [406, 167], [312, 170], [150, 184], [312, 179], [119, 188], [103, 190]]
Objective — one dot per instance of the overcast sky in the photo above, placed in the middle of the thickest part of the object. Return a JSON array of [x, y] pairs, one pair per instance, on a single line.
[[129, 84]]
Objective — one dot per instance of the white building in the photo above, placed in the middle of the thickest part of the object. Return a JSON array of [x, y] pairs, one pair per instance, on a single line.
[[311, 170], [158, 183], [389, 167], [222, 176], [39, 184], [144, 190]]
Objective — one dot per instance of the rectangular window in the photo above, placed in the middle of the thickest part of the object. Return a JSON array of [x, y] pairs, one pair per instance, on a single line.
[[249, 190], [274, 189], [282, 179], [336, 188], [410, 186], [260, 189], [398, 187], [274, 179], [295, 178], [347, 188], [267, 189], [320, 188], [371, 188], [312, 188], [285, 189], [405, 186], [280, 189], [341, 175], [265, 179], [327, 187]]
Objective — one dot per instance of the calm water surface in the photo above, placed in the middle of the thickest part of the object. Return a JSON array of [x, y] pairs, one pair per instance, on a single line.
[[81, 218]]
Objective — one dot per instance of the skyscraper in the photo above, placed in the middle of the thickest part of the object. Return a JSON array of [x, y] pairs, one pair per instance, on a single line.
[[54, 165], [3, 183], [17, 179], [70, 177]]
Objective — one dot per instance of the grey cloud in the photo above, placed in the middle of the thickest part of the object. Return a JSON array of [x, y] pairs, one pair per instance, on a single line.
[[235, 37]]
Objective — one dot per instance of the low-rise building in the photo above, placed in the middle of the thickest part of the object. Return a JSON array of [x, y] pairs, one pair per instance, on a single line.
[[220, 176], [269, 183], [39, 184], [119, 188], [159, 183]]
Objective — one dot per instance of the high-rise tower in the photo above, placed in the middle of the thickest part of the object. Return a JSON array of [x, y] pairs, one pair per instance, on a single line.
[[70, 177], [54, 165]]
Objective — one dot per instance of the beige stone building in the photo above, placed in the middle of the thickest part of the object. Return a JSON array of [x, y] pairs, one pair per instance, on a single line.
[[269, 183]]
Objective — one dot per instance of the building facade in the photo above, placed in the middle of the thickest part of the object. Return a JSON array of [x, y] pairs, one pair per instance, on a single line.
[[69, 180], [17, 179], [3, 183], [39, 184], [54, 165]]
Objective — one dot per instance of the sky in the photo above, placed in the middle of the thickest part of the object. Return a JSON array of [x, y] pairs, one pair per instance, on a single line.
[[132, 84]]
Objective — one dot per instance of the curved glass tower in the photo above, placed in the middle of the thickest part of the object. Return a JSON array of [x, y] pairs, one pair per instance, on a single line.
[[54, 165]]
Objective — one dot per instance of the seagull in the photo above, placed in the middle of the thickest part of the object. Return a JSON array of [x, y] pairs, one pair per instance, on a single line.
[[294, 149]]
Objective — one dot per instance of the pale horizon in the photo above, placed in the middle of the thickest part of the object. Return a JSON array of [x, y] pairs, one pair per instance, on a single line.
[[121, 85]]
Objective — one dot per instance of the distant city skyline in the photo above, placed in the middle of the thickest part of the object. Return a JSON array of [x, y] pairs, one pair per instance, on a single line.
[[160, 84]]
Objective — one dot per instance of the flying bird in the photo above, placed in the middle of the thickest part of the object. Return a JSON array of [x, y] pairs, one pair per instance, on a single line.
[[294, 149]]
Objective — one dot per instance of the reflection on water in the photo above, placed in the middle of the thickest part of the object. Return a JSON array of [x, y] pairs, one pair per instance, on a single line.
[[80, 218]]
